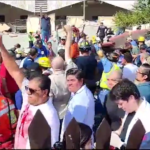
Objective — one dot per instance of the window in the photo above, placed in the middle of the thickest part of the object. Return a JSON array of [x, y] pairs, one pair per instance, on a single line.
[[61, 17], [94, 18], [2, 18], [23, 17]]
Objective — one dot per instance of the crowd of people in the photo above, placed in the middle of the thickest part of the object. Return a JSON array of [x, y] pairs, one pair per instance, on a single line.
[[73, 82]]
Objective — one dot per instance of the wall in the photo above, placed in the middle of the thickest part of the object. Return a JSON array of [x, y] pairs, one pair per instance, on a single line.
[[12, 13], [28, 5], [91, 10]]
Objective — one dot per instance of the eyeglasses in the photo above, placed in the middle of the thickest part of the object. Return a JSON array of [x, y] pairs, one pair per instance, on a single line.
[[140, 72], [32, 91]]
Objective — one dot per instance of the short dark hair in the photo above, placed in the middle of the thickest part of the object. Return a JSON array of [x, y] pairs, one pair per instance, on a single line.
[[78, 73], [128, 57], [33, 51], [49, 43], [146, 70], [85, 134], [45, 82], [18, 45], [123, 90]]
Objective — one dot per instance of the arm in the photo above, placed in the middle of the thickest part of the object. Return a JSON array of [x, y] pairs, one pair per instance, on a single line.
[[68, 31], [97, 31], [11, 65]]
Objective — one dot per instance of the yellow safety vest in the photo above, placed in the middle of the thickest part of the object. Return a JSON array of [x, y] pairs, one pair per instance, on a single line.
[[103, 81]]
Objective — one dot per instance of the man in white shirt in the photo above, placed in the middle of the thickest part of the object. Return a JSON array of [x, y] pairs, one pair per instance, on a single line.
[[126, 95], [81, 104], [35, 92], [129, 70]]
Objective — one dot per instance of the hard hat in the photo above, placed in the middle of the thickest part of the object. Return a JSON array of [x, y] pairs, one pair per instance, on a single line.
[[85, 46], [44, 62], [31, 31], [141, 39], [93, 39]]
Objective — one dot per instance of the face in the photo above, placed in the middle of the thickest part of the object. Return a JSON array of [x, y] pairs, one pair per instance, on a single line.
[[140, 75], [112, 80], [45, 15], [73, 83], [39, 45], [63, 41], [127, 106], [49, 45], [123, 61], [35, 94], [88, 145]]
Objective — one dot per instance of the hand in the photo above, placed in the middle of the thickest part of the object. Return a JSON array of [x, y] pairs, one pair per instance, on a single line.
[[115, 140], [67, 28]]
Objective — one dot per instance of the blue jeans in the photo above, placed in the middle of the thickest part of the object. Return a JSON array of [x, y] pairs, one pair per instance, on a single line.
[[45, 35], [102, 94]]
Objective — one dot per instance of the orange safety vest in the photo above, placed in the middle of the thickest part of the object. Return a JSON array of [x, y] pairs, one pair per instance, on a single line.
[[8, 123]]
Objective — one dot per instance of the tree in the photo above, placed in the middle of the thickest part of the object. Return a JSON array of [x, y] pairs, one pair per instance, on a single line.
[[140, 5], [139, 15]]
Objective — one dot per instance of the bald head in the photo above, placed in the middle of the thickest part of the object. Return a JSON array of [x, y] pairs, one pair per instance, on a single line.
[[116, 74], [58, 63]]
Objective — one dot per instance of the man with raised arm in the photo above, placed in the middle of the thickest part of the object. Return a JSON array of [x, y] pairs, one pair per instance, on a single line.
[[35, 92]]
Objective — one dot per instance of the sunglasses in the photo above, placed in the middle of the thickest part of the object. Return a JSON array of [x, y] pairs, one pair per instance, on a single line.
[[32, 91]]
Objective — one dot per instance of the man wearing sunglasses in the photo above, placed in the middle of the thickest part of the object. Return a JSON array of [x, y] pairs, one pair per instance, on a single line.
[[35, 92]]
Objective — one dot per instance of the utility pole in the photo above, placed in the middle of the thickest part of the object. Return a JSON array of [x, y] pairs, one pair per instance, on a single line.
[[84, 6], [40, 16]]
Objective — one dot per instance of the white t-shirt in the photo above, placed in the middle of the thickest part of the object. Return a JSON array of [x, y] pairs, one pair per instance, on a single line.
[[129, 72], [22, 62], [48, 111]]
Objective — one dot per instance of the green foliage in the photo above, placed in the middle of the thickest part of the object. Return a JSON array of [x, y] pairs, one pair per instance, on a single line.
[[140, 15]]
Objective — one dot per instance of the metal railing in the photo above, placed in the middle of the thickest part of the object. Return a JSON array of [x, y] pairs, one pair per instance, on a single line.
[[19, 25]]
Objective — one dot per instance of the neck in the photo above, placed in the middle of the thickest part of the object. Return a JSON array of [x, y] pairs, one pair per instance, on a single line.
[[138, 105], [128, 63], [57, 70], [85, 54], [44, 101], [31, 57]]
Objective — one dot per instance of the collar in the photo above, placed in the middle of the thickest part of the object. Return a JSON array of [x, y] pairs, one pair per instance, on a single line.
[[141, 107], [79, 91], [59, 72], [144, 84]]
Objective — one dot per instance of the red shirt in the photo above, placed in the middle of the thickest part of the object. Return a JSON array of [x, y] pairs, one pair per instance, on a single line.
[[11, 84]]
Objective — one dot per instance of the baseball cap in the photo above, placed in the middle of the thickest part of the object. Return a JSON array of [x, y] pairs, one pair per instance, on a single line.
[[34, 67]]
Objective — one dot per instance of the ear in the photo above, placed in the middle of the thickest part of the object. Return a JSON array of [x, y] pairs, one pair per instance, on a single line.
[[145, 77], [45, 93]]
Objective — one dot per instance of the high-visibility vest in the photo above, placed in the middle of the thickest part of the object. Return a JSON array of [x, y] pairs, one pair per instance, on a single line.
[[8, 121], [103, 81]]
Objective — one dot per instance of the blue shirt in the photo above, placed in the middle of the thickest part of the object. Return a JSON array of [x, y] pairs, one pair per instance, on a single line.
[[45, 24], [144, 89], [18, 99], [27, 62], [42, 52]]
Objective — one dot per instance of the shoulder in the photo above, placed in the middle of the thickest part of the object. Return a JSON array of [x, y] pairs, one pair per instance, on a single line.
[[49, 112]]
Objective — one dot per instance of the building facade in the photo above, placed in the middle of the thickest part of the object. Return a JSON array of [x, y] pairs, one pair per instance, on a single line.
[[20, 9]]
